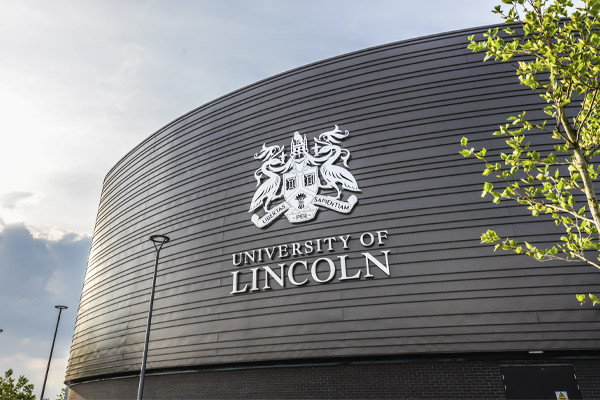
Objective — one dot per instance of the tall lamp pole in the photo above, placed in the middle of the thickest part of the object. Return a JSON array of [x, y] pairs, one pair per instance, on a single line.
[[60, 308], [158, 241]]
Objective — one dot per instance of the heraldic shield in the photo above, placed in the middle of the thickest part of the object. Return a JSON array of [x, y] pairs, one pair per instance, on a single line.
[[298, 175], [300, 186]]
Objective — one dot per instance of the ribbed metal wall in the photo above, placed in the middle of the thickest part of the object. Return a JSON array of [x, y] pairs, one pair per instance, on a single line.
[[406, 106]]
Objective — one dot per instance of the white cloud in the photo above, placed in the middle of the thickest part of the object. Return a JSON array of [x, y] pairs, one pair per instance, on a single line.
[[11, 199]]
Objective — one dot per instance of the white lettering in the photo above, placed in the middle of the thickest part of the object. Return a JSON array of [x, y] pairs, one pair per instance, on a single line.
[[248, 256], [329, 245], [235, 284], [345, 276], [278, 278], [385, 268], [254, 287], [313, 270], [380, 236], [308, 247], [291, 277], [270, 251], [319, 246], [283, 251], [296, 249], [345, 240], [316, 272], [371, 239]]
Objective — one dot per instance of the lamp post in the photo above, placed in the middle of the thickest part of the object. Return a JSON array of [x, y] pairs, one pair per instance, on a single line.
[[158, 241], [60, 308]]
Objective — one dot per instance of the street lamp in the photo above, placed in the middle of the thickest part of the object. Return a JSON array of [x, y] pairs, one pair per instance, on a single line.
[[158, 241], [60, 308]]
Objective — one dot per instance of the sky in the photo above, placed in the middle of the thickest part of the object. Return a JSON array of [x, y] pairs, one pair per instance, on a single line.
[[82, 82]]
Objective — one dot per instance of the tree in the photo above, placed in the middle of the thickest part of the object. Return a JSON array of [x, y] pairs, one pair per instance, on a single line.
[[20, 389], [555, 50], [61, 395]]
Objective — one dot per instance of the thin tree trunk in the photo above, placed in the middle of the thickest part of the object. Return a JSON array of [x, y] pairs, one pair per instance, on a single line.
[[582, 166]]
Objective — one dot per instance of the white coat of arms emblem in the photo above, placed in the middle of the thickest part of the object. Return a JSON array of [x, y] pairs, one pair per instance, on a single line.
[[296, 180]]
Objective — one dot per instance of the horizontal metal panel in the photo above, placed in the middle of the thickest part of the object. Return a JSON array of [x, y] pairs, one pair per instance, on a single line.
[[406, 106]]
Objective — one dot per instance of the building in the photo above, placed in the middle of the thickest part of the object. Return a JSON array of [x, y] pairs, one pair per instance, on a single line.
[[379, 288]]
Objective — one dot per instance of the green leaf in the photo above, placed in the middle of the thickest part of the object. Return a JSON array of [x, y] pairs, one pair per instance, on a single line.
[[463, 141], [556, 54], [519, 250]]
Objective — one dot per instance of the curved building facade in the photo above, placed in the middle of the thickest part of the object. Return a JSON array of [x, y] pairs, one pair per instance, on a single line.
[[325, 243]]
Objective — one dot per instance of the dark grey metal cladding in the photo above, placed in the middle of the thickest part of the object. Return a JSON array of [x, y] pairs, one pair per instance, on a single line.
[[406, 105]]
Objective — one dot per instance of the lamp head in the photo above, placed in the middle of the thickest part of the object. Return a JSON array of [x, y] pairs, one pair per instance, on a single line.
[[61, 307], [159, 239]]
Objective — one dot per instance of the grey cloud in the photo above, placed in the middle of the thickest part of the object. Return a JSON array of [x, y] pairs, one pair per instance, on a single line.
[[10, 200], [35, 275]]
